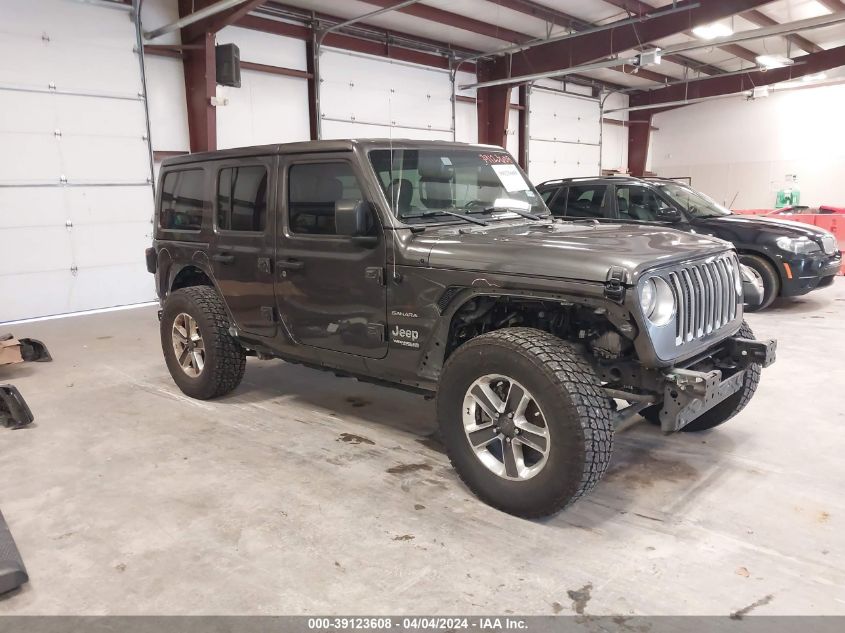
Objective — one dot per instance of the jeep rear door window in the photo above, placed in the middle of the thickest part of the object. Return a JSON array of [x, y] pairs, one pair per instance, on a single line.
[[242, 198], [313, 190], [182, 200], [635, 202], [421, 184], [585, 201]]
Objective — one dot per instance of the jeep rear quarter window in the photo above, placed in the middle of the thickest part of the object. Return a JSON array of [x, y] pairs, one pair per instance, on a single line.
[[313, 190], [182, 200], [242, 198]]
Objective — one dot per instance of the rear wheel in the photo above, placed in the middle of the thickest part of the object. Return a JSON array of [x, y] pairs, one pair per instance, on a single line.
[[203, 359], [524, 420], [769, 276], [726, 409]]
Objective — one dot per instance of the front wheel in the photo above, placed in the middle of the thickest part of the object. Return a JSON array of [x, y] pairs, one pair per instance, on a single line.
[[203, 359], [525, 421]]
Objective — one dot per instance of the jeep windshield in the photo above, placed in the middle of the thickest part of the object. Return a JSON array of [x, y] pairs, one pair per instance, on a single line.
[[436, 185], [693, 202]]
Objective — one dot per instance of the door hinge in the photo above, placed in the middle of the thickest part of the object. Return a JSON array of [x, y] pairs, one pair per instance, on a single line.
[[375, 273], [376, 331], [614, 285], [268, 313]]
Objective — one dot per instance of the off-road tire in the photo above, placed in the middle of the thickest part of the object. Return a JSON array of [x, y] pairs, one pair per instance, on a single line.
[[771, 283], [726, 409], [577, 411], [225, 359]]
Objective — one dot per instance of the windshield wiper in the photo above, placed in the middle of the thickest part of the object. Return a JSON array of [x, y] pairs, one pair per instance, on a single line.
[[463, 216], [524, 214]]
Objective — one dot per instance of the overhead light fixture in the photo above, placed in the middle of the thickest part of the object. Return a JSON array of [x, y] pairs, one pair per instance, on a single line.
[[774, 61], [712, 31], [814, 77]]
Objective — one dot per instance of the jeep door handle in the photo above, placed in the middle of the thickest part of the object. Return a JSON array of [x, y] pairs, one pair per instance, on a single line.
[[223, 259], [289, 264]]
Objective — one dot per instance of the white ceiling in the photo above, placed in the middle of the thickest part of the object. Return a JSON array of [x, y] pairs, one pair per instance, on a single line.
[[598, 11]]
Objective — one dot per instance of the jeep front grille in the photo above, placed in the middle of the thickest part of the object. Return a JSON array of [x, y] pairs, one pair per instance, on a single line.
[[706, 296]]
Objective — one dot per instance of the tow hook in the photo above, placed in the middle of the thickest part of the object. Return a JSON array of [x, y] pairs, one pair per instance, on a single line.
[[614, 285]]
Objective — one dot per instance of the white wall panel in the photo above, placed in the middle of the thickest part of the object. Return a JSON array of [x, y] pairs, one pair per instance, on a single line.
[[564, 136], [614, 152], [739, 151], [76, 245], [512, 140], [344, 129], [360, 89], [265, 109], [265, 48], [466, 122], [166, 97]]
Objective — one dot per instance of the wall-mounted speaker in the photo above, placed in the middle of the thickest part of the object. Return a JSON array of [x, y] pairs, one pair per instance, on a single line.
[[227, 59]]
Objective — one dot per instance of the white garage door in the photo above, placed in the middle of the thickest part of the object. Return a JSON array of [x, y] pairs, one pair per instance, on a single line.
[[564, 136], [75, 195], [364, 96]]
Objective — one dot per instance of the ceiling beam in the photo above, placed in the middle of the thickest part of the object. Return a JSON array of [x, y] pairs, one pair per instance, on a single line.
[[554, 16], [491, 30], [833, 6], [447, 18], [637, 7], [761, 19], [215, 21], [587, 47], [542, 12], [347, 42], [740, 82]]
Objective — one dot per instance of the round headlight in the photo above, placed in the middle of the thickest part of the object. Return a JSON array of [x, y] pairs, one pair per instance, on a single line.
[[648, 295], [657, 301]]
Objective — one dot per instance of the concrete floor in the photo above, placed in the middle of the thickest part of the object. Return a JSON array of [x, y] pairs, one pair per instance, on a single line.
[[305, 493]]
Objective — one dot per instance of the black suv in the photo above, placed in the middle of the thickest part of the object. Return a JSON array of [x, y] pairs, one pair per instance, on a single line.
[[436, 267], [790, 258]]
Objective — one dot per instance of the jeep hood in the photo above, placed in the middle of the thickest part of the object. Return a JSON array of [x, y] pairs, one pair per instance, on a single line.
[[566, 250]]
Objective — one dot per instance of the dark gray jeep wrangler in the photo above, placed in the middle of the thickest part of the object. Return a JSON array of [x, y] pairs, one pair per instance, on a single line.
[[436, 267]]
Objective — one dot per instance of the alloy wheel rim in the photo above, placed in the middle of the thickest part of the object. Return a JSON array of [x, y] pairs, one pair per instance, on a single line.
[[188, 344], [505, 427]]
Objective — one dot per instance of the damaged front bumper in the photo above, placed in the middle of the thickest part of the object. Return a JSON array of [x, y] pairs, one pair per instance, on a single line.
[[689, 393]]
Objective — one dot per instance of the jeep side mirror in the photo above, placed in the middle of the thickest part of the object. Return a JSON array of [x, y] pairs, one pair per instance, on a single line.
[[668, 214], [353, 218]]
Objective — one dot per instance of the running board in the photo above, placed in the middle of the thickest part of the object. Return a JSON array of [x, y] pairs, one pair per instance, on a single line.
[[12, 571]]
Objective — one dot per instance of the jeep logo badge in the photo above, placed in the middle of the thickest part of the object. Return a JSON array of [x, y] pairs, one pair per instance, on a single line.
[[405, 336]]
